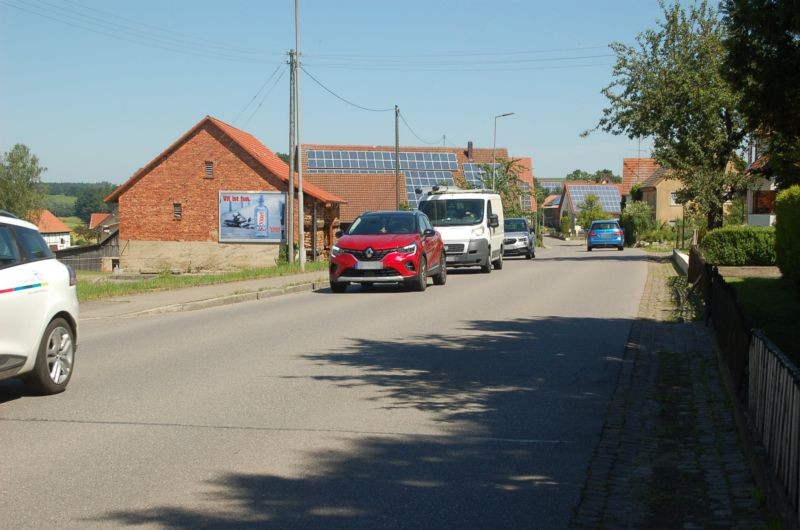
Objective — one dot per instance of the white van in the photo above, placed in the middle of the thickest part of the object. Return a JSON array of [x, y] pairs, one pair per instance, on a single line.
[[471, 224]]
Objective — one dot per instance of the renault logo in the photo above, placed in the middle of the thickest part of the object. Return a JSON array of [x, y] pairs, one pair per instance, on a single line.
[[369, 253]]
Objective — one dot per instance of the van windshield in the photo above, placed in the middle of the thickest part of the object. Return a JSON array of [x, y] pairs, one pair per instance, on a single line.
[[453, 212]]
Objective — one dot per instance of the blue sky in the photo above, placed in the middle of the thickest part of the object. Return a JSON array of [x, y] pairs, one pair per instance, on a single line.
[[97, 89]]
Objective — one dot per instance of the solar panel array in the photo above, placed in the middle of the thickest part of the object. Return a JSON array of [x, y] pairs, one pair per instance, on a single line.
[[474, 175], [425, 181], [609, 196], [551, 185], [329, 161]]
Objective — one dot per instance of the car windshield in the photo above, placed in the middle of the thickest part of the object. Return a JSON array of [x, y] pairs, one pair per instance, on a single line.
[[450, 212], [515, 225], [611, 225], [383, 223]]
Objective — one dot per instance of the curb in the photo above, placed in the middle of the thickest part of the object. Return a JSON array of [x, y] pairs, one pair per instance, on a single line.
[[230, 299]]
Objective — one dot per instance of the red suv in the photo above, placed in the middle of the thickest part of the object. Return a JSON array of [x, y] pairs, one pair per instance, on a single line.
[[388, 247]]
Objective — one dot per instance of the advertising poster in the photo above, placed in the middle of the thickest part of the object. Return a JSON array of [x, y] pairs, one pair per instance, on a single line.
[[251, 216]]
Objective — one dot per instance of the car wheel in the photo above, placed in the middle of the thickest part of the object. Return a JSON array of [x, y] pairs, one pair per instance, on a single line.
[[486, 266], [620, 248], [420, 281], [338, 287], [440, 278], [55, 359], [498, 263], [588, 248]]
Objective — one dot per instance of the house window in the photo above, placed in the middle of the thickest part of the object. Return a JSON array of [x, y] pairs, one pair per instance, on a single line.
[[673, 199], [209, 169], [177, 211], [764, 202]]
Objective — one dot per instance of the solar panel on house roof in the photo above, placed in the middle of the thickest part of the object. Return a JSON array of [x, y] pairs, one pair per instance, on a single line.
[[551, 185], [609, 196], [378, 161], [474, 175], [424, 180]]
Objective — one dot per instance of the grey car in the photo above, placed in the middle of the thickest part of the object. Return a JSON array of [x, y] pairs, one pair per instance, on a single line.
[[519, 239]]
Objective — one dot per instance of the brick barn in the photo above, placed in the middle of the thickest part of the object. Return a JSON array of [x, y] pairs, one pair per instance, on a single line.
[[170, 210]]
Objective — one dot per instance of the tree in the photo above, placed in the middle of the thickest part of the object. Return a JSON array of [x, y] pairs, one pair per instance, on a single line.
[[508, 184], [21, 190], [591, 210], [606, 175], [91, 201], [670, 87], [580, 175], [763, 63]]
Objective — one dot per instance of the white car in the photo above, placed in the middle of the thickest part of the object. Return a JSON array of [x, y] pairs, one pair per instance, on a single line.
[[38, 310]]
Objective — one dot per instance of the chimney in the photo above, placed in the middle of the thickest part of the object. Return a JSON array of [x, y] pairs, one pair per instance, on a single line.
[[469, 151]]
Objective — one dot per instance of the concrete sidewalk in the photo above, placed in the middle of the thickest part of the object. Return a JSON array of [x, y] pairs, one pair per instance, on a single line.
[[191, 298]]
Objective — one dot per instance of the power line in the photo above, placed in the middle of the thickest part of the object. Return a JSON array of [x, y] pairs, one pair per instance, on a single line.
[[264, 98], [415, 134], [488, 61], [340, 97], [477, 54], [257, 93], [448, 70], [108, 30]]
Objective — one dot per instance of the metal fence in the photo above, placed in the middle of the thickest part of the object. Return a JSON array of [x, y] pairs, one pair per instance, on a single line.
[[765, 381], [773, 401]]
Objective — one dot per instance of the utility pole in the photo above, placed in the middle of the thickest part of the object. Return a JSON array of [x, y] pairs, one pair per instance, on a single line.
[[290, 197], [301, 214], [397, 156]]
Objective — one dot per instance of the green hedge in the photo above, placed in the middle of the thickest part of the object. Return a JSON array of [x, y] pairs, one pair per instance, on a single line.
[[787, 232], [636, 219], [740, 245]]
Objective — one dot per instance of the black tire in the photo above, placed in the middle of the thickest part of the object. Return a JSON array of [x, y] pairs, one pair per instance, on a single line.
[[486, 266], [620, 248], [588, 248], [440, 278], [55, 359], [338, 287], [420, 281], [498, 263]]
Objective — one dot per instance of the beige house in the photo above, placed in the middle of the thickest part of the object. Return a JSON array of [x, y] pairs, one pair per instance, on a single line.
[[660, 192]]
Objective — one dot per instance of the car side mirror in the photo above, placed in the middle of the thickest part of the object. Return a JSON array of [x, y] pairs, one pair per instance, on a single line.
[[338, 234], [429, 232], [494, 221]]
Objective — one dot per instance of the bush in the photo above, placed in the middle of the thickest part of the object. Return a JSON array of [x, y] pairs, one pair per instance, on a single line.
[[635, 220], [787, 233], [740, 245], [565, 224]]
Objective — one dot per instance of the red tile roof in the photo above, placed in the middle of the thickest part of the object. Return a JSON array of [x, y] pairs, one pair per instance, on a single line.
[[548, 202], [654, 179], [364, 192], [246, 141], [636, 171], [97, 218], [49, 223]]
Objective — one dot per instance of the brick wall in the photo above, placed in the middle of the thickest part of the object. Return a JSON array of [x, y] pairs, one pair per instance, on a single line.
[[146, 209]]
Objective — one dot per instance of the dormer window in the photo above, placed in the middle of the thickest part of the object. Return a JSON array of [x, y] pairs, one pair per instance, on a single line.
[[209, 169]]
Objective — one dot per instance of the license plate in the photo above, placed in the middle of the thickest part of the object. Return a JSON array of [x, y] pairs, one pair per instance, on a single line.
[[369, 265]]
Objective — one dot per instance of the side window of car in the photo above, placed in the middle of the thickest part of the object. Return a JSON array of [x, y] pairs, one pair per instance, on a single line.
[[33, 245], [9, 253]]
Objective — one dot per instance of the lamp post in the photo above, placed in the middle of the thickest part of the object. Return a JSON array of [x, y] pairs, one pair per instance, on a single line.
[[494, 144]]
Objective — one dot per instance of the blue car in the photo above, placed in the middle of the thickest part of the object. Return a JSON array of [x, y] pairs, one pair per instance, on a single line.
[[606, 234]]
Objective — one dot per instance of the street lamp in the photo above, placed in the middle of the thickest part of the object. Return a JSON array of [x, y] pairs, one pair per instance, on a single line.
[[494, 144]]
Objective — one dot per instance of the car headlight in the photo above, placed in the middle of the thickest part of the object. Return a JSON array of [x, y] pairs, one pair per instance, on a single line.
[[477, 232], [409, 249], [336, 251]]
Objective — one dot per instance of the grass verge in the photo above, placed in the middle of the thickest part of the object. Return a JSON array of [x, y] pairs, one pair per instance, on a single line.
[[773, 305], [96, 286]]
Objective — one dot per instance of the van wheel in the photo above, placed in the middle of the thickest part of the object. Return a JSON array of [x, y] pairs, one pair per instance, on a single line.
[[498, 263], [486, 266]]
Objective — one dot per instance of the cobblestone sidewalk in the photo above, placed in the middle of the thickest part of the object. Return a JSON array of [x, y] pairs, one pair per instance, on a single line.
[[669, 455]]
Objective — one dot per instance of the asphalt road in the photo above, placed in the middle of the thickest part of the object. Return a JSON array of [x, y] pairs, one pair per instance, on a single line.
[[473, 405]]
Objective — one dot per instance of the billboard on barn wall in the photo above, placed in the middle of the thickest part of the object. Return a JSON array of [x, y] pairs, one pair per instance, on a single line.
[[251, 216]]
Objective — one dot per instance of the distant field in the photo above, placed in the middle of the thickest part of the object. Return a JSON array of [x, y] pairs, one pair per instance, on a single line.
[[72, 222], [60, 203]]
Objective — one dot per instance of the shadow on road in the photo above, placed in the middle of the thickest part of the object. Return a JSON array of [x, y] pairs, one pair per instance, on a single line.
[[519, 405]]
